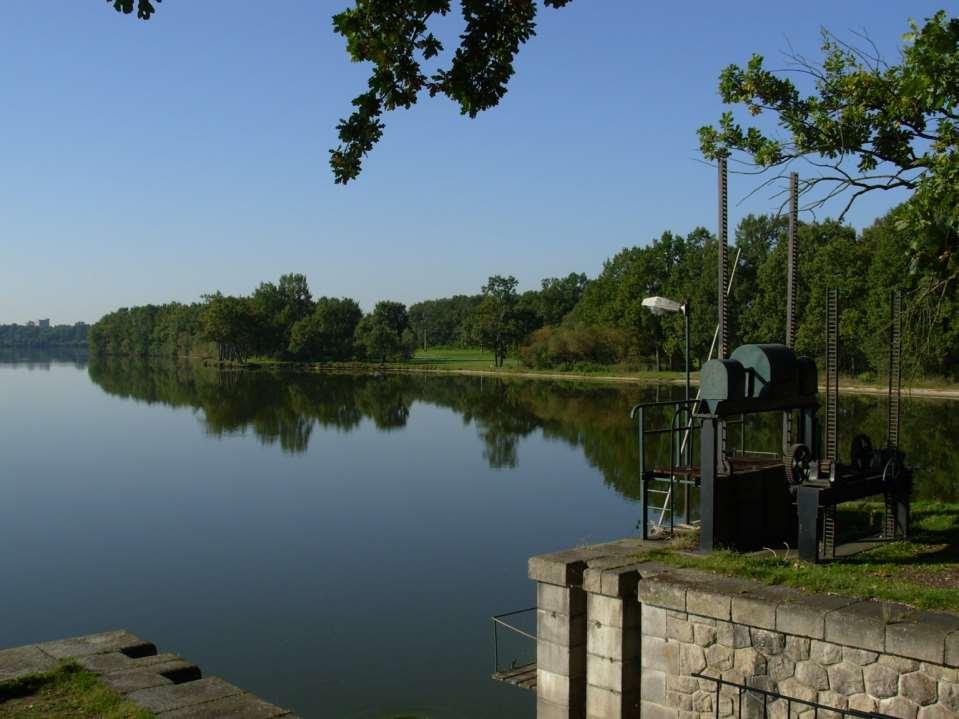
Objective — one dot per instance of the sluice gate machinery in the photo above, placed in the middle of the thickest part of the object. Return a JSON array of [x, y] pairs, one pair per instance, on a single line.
[[778, 496]]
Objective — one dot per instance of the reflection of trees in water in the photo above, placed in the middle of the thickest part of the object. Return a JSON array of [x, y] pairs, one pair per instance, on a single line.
[[285, 408], [35, 358]]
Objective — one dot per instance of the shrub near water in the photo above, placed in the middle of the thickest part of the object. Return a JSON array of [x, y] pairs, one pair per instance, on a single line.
[[571, 346]]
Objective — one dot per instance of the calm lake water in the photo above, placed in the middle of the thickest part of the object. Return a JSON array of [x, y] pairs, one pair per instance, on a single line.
[[334, 543]]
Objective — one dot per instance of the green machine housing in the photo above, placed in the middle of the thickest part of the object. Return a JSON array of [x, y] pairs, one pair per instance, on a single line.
[[746, 501]]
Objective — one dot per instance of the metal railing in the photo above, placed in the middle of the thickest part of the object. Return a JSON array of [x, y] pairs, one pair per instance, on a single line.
[[764, 702], [682, 447], [682, 427], [516, 661]]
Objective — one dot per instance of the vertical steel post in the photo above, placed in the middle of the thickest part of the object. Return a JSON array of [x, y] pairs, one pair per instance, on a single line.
[[723, 237], [832, 372], [707, 487], [686, 329], [895, 370], [723, 347], [791, 258], [644, 494]]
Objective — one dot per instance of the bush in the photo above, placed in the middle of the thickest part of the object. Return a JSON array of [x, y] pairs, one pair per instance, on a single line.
[[568, 347]]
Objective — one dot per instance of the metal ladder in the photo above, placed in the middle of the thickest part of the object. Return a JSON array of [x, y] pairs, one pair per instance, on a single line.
[[894, 400], [832, 410], [832, 372]]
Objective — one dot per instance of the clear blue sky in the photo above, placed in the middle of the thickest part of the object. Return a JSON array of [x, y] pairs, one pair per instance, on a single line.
[[146, 162]]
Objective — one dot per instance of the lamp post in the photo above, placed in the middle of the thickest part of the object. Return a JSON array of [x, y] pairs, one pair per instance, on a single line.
[[662, 305]]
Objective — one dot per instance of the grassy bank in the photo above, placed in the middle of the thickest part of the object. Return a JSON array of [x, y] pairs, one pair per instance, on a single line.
[[479, 362], [68, 691], [922, 572]]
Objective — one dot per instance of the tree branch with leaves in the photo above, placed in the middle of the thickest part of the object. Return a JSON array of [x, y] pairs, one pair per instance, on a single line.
[[868, 126]]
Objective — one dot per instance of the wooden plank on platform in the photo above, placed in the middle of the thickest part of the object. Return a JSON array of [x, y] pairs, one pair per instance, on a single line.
[[523, 676]]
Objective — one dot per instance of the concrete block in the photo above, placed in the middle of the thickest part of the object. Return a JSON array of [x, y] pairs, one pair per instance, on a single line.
[[548, 710], [21, 661], [553, 687], [805, 616], [863, 624], [653, 621], [609, 611], [653, 686], [614, 577], [756, 610], [678, 628], [605, 704], [561, 628], [952, 650], [118, 661], [707, 602], [102, 643], [613, 642], [240, 706], [612, 674], [562, 690], [133, 680], [651, 710], [660, 655], [733, 635], [560, 659], [563, 600], [921, 636], [178, 696], [663, 590], [565, 568]]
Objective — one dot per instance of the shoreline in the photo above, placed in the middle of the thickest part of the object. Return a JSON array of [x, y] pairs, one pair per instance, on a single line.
[[553, 376]]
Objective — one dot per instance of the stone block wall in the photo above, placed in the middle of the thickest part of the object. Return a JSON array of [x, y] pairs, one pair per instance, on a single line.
[[647, 641], [839, 652]]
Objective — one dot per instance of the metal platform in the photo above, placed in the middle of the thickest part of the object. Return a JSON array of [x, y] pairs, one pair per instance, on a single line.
[[523, 677], [514, 663]]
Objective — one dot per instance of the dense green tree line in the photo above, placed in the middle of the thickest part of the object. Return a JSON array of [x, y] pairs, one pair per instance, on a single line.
[[610, 323], [15, 335], [572, 322], [279, 320]]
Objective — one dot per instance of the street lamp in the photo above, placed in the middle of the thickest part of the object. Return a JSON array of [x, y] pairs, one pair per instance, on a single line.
[[663, 305]]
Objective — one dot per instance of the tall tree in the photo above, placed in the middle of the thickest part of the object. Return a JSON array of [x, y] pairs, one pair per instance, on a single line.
[[868, 126], [230, 323], [496, 319], [328, 332], [559, 295], [385, 332], [278, 307]]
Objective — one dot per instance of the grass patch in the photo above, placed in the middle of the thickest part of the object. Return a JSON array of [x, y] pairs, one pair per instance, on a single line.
[[922, 571], [68, 691]]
